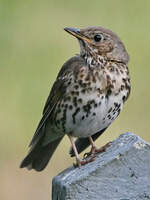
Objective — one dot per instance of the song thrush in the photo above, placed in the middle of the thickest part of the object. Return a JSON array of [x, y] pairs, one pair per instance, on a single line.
[[86, 98]]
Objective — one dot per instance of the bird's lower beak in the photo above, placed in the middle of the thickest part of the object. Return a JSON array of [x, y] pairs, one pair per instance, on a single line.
[[76, 32]]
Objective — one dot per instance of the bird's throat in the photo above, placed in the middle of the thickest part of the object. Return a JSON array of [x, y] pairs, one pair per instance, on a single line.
[[94, 60]]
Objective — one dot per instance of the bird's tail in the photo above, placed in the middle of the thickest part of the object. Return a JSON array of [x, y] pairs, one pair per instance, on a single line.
[[39, 155]]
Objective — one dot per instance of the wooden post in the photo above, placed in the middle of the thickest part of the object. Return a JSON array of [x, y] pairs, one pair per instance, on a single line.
[[120, 173]]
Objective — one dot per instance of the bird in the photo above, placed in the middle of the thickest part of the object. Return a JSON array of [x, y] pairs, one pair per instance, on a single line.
[[87, 96]]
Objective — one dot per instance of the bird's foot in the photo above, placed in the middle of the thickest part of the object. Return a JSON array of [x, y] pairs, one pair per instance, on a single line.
[[84, 161], [95, 150], [103, 148], [90, 156]]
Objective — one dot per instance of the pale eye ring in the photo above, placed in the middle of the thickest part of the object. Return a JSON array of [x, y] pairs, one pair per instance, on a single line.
[[98, 37]]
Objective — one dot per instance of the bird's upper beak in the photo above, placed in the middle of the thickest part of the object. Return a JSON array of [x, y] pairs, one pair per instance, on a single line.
[[77, 33]]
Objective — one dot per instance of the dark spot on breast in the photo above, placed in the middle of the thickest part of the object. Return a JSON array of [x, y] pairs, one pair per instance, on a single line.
[[94, 114], [75, 101], [87, 78], [95, 105], [80, 100], [82, 70], [83, 117], [122, 87], [101, 60], [87, 107], [113, 81], [117, 71], [108, 93], [111, 69], [90, 88], [83, 91], [112, 86], [83, 85], [88, 83], [108, 77], [92, 101], [110, 110], [92, 62], [119, 105], [127, 86], [124, 98], [109, 117], [99, 91], [77, 93], [66, 105], [76, 87], [82, 75], [70, 107], [121, 71], [80, 82], [74, 114], [124, 80], [115, 104]]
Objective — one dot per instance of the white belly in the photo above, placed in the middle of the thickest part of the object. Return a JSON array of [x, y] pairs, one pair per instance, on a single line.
[[102, 113]]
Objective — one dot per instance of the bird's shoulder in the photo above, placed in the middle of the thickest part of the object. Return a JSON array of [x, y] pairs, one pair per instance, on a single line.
[[72, 65]]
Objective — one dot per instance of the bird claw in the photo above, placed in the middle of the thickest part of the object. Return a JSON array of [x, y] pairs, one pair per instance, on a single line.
[[103, 148], [90, 156], [85, 160], [94, 150], [86, 155]]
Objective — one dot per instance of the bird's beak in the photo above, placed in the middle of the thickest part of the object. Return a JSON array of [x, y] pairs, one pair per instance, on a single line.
[[76, 32]]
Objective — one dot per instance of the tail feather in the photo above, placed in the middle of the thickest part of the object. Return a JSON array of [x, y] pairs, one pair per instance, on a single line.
[[39, 155]]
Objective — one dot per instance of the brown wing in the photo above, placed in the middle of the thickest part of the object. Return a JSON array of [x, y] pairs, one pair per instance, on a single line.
[[45, 142], [57, 92]]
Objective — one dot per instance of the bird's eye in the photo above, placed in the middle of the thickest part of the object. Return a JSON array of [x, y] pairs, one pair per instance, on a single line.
[[98, 38]]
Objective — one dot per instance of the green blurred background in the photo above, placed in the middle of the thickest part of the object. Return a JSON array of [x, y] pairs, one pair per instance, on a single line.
[[33, 46]]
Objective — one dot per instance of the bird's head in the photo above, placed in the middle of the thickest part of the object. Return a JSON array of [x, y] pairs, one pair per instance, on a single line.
[[99, 41]]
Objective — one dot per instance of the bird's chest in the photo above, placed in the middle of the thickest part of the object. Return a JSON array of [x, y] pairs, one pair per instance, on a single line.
[[90, 104]]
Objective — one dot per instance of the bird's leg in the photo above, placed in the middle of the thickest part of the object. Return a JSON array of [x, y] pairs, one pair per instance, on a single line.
[[94, 149], [75, 150], [93, 146], [79, 161]]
